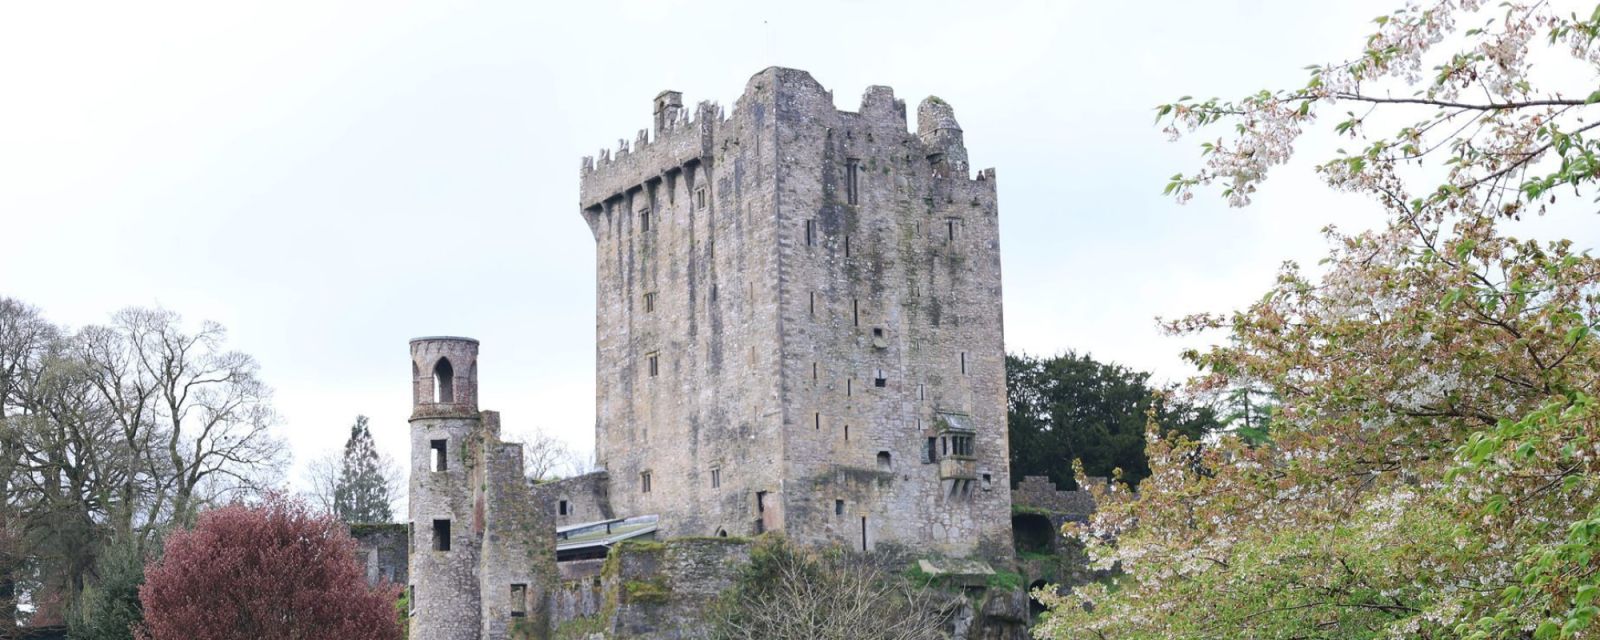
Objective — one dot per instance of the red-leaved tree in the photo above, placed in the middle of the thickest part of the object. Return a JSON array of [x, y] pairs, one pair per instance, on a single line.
[[274, 570]]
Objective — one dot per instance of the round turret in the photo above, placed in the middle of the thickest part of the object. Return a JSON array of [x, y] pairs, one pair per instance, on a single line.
[[444, 377]]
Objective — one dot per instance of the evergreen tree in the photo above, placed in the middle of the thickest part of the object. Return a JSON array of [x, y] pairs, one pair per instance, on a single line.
[[361, 494]]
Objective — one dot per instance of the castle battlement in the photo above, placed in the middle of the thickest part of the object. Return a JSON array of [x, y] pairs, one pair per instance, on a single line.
[[678, 142]]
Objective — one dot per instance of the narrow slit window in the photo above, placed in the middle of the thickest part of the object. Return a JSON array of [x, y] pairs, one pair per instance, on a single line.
[[644, 220], [650, 302], [922, 392], [653, 363], [813, 303], [811, 232], [849, 386], [519, 601], [441, 535], [716, 478], [852, 180], [847, 432], [817, 419], [855, 311], [813, 371], [963, 363], [700, 198], [932, 454], [847, 246], [437, 460], [761, 502], [644, 482], [952, 229], [561, 508]]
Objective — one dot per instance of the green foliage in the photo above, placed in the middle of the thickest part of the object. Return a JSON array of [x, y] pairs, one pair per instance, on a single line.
[[361, 493], [109, 606], [1004, 581], [1071, 407], [402, 610]]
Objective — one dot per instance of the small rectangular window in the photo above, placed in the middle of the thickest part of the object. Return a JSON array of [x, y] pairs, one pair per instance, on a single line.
[[847, 432], [653, 363], [644, 482], [988, 481], [881, 380], [438, 461], [811, 232], [849, 386], [847, 246], [838, 507], [716, 478], [932, 454], [644, 220], [519, 600], [813, 371], [561, 508], [700, 198], [761, 502], [963, 363], [813, 303], [441, 535], [855, 311], [650, 302], [922, 392], [817, 419], [952, 230]]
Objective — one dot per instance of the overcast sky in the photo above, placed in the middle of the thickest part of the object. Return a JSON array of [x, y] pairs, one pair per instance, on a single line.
[[329, 180]]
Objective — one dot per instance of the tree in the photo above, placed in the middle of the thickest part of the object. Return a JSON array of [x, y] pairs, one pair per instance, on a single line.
[[1432, 470], [546, 457], [822, 594], [362, 492], [272, 570], [111, 433], [1071, 407], [109, 607]]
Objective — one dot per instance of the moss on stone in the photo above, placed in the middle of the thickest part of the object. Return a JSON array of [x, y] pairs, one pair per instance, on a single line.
[[653, 591], [580, 628]]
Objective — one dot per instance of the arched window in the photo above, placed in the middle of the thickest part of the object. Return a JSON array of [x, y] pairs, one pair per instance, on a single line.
[[883, 461], [444, 381]]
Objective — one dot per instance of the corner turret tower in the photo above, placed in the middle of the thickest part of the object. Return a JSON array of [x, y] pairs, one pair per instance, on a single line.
[[444, 586]]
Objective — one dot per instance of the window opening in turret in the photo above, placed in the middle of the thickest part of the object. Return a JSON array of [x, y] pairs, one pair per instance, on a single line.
[[884, 462], [519, 600], [441, 535], [437, 461], [444, 378], [644, 482], [562, 509]]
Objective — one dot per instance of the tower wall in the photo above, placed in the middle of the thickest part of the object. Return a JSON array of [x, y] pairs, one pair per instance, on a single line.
[[444, 583], [818, 226]]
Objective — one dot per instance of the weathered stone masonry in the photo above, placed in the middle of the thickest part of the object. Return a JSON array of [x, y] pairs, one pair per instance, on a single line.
[[799, 322]]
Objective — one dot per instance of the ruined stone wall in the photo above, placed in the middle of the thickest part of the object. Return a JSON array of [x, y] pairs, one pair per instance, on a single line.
[[661, 591], [817, 226], [587, 498], [686, 278], [382, 549], [518, 565], [1039, 493]]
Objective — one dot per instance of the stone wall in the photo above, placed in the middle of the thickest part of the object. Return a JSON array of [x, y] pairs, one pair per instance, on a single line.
[[1039, 493], [579, 499], [381, 548]]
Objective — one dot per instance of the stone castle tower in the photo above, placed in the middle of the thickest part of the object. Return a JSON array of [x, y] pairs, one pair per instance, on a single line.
[[481, 550], [799, 323]]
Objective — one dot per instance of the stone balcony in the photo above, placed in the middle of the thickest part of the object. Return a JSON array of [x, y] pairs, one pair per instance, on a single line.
[[958, 468]]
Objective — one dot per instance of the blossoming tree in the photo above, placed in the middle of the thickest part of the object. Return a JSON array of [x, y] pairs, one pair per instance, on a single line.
[[1433, 467]]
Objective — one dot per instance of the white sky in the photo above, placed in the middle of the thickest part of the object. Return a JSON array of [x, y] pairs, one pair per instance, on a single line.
[[329, 180]]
